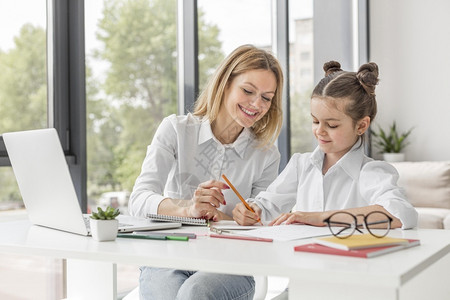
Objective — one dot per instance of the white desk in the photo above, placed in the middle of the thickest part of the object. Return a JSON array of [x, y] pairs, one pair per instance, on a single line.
[[417, 273]]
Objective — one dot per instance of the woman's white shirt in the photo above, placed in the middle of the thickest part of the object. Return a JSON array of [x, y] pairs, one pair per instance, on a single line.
[[354, 181], [185, 153]]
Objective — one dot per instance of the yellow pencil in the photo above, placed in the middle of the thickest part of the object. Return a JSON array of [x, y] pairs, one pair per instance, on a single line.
[[239, 196]]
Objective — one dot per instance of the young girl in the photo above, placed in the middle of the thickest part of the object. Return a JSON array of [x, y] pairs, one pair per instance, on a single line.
[[337, 176]]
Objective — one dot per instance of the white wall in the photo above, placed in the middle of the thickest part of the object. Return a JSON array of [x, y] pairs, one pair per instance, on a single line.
[[410, 41]]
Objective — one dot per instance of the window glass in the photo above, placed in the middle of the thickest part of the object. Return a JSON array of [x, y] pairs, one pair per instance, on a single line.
[[23, 79], [131, 85], [23, 76], [225, 25], [301, 73]]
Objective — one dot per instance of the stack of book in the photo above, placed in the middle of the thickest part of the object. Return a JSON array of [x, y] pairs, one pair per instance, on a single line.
[[365, 245]]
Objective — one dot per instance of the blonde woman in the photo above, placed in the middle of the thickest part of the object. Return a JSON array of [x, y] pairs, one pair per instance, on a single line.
[[232, 131]]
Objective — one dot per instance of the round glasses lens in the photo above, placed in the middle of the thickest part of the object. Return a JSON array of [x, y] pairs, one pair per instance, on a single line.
[[378, 224], [342, 225]]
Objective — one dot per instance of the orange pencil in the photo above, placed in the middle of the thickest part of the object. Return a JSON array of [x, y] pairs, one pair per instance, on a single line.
[[239, 196]]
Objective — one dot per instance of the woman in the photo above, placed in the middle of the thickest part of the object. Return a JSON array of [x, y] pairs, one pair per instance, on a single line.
[[233, 127]]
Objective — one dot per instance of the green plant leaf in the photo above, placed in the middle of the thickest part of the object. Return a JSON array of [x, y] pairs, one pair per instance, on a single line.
[[108, 214], [392, 142]]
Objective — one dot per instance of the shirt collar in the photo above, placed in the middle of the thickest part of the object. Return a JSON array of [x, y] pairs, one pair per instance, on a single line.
[[351, 162], [205, 133], [239, 146]]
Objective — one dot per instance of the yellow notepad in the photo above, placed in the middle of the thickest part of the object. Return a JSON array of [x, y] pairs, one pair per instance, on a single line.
[[359, 241]]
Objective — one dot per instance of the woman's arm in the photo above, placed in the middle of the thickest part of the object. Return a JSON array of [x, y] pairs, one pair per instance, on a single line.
[[148, 192], [205, 203], [149, 186]]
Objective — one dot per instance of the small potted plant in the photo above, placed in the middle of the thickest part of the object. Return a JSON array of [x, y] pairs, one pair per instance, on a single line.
[[391, 143], [104, 225]]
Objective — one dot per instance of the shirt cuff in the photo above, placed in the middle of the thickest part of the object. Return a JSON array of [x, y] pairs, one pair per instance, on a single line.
[[155, 200]]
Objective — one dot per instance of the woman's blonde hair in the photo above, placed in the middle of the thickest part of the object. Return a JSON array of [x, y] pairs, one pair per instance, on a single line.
[[242, 59]]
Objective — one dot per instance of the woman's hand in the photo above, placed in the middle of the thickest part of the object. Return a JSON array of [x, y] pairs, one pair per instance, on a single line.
[[309, 218], [207, 199], [243, 216]]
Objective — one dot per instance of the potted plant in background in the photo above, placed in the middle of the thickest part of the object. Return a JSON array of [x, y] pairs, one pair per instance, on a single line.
[[391, 143], [104, 225]]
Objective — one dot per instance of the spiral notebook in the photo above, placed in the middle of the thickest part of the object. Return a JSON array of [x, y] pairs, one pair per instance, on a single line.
[[182, 220]]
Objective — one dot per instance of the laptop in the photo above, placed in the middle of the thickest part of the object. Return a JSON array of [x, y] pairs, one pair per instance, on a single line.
[[44, 180]]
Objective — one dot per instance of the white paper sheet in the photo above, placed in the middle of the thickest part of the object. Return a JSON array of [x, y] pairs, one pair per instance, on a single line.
[[232, 225], [288, 232]]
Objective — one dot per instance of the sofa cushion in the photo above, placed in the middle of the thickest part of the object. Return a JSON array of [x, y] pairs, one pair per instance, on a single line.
[[427, 183], [446, 222], [433, 218]]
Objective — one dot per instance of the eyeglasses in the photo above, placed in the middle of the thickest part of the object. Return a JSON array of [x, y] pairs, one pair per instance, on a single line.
[[343, 224]]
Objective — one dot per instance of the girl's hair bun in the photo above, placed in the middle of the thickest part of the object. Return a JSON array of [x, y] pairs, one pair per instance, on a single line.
[[331, 67], [368, 77]]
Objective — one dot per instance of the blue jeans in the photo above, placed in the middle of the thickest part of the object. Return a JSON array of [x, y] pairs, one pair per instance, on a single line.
[[167, 284]]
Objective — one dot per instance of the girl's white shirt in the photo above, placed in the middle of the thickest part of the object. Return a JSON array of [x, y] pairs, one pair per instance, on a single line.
[[184, 153], [354, 181]]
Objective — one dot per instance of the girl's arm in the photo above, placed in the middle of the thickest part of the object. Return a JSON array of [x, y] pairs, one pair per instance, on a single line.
[[317, 218], [279, 197], [378, 186]]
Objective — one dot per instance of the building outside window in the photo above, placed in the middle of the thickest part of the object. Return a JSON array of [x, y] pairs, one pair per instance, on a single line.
[[301, 65]]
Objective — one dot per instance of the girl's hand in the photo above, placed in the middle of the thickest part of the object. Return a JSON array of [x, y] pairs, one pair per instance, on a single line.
[[207, 199], [243, 216], [299, 217]]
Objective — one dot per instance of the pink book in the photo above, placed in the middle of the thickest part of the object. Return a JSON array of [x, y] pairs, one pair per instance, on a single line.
[[365, 253]]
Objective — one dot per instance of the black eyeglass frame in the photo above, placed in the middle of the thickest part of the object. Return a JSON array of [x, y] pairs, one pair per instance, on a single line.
[[356, 226]]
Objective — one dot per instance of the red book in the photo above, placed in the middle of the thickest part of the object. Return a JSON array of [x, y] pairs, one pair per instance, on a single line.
[[365, 253]]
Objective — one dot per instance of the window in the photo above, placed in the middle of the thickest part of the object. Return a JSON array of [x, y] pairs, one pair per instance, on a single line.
[[23, 80], [306, 55], [301, 73], [131, 85], [220, 34]]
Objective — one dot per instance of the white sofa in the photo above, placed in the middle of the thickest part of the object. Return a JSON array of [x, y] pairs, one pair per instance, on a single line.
[[427, 185]]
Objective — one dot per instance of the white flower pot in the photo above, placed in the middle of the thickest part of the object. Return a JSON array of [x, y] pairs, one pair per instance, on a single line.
[[104, 230], [394, 157]]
